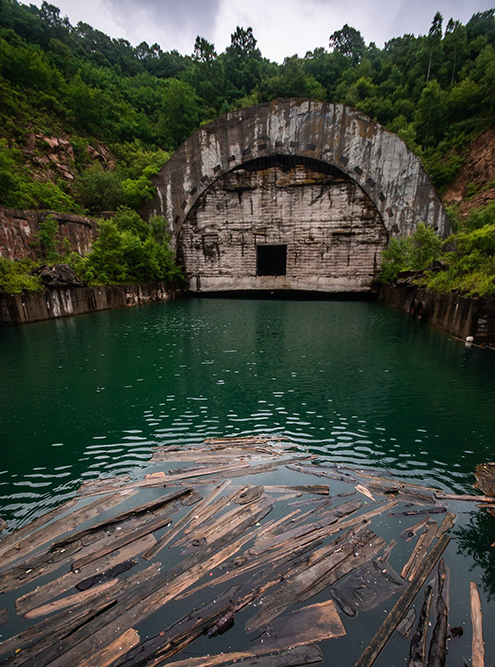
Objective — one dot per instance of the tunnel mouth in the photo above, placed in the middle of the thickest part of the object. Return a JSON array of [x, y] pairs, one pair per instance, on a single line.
[[271, 260], [288, 162]]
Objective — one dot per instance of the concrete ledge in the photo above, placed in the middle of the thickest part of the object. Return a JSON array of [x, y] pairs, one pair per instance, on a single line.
[[460, 316], [64, 302]]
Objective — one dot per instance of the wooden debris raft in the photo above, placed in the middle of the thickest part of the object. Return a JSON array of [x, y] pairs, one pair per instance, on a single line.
[[189, 528]]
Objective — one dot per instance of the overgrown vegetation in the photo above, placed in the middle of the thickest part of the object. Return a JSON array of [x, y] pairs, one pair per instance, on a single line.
[[137, 104], [466, 259], [436, 91], [127, 250]]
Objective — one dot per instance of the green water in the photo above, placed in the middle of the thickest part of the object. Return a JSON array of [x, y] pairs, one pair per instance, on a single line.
[[356, 382]]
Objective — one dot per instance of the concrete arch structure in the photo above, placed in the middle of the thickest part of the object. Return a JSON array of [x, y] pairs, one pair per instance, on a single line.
[[385, 172]]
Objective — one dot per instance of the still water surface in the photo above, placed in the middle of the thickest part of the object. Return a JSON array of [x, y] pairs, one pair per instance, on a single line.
[[354, 381]]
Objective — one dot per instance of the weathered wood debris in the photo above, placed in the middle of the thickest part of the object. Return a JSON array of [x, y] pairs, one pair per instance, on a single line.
[[235, 532]]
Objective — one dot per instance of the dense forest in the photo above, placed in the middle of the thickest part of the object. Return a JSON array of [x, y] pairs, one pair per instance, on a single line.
[[119, 110]]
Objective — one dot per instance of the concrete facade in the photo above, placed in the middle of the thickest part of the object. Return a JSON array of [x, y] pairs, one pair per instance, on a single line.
[[230, 188]]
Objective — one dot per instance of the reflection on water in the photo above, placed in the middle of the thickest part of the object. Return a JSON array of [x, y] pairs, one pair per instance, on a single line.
[[355, 381]]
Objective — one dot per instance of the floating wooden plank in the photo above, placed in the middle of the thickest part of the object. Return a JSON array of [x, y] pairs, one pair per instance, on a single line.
[[31, 527], [376, 645], [70, 600], [417, 651], [408, 533], [447, 523], [438, 644], [119, 542], [53, 589], [145, 508], [108, 655], [478, 647], [66, 524], [341, 510], [292, 657], [367, 587], [175, 530], [454, 496], [405, 627], [310, 624], [315, 489], [419, 551], [350, 552], [366, 492], [251, 494], [37, 644]]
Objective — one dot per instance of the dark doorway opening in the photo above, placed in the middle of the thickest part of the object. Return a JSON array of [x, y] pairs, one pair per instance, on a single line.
[[271, 260]]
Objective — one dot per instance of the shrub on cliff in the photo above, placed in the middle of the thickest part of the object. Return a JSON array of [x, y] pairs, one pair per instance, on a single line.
[[126, 253], [411, 253], [468, 256], [15, 276]]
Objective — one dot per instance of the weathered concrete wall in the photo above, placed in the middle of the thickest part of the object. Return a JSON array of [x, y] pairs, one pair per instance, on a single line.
[[331, 228], [460, 316], [18, 231], [64, 302], [377, 160]]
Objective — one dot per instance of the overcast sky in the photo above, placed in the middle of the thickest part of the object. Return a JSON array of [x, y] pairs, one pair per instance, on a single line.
[[282, 27]]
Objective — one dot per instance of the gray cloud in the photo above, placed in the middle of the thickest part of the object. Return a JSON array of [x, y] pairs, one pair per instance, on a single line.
[[177, 22], [282, 27]]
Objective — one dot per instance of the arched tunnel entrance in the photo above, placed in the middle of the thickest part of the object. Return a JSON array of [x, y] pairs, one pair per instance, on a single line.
[[291, 195], [282, 222]]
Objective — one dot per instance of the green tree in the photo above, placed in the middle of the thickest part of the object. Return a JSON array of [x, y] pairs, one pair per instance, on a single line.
[[349, 42]]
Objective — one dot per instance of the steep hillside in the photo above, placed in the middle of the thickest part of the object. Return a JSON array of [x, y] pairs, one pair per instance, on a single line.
[[474, 186]]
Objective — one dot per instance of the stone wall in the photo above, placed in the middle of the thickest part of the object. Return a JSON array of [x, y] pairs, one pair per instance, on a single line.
[[377, 160], [64, 302], [331, 229], [18, 230], [460, 316]]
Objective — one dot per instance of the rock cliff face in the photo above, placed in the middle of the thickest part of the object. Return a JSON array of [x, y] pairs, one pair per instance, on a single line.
[[52, 158], [18, 232], [476, 179]]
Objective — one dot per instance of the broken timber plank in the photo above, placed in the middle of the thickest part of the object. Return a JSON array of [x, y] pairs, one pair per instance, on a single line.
[[37, 642], [108, 655], [53, 589], [292, 657], [376, 645], [438, 644], [70, 601], [145, 508], [310, 624], [175, 530], [447, 523], [417, 650], [121, 541], [66, 524], [31, 527], [306, 529], [478, 647], [422, 545], [343, 556]]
